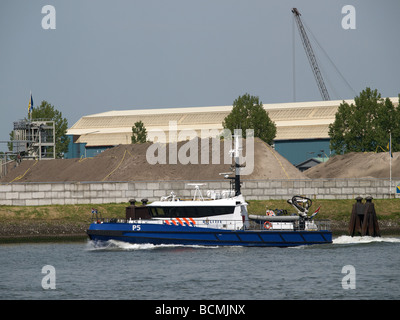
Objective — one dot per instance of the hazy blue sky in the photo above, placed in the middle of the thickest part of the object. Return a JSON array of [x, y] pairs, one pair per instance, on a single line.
[[115, 55]]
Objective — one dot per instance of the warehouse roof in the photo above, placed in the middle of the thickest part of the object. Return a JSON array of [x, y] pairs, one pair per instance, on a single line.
[[299, 120]]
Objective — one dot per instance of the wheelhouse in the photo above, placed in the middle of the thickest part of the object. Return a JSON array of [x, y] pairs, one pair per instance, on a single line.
[[190, 211]]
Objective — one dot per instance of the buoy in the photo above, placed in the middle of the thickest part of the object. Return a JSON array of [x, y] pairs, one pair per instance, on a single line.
[[267, 225]]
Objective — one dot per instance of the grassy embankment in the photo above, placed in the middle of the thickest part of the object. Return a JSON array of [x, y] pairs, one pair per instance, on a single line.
[[58, 222]]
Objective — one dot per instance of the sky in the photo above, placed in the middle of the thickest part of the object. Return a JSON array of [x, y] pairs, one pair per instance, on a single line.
[[138, 54]]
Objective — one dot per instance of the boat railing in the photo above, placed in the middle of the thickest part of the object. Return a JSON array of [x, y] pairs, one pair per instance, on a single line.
[[318, 225], [323, 224], [108, 220], [204, 223], [310, 225]]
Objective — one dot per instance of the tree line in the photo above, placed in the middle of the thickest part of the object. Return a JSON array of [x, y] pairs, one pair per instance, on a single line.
[[362, 126]]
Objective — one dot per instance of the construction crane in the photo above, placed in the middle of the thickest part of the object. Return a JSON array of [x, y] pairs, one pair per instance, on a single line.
[[311, 55]]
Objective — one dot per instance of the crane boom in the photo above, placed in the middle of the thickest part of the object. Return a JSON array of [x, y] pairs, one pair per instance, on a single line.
[[311, 55]]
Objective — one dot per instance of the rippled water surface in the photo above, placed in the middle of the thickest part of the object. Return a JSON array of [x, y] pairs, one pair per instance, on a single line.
[[118, 270]]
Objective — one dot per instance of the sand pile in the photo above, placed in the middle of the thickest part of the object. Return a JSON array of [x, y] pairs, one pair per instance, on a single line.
[[357, 165], [129, 163]]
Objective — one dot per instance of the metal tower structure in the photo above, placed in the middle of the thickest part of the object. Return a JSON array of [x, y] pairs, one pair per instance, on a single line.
[[34, 139], [311, 55]]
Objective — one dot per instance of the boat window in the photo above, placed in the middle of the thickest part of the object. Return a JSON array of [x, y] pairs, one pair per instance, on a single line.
[[190, 211], [172, 212], [161, 212], [153, 212]]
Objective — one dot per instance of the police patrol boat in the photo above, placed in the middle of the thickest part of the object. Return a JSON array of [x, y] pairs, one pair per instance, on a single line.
[[218, 219]]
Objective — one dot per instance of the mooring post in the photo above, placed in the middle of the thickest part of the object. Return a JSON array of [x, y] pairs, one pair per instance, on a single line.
[[356, 218], [370, 225]]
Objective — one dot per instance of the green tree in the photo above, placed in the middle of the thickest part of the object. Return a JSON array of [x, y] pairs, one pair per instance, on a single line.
[[248, 113], [365, 125], [139, 133]]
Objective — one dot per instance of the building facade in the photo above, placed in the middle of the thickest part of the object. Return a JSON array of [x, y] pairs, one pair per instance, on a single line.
[[302, 127]]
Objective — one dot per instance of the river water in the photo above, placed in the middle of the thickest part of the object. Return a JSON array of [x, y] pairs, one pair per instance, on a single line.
[[350, 268]]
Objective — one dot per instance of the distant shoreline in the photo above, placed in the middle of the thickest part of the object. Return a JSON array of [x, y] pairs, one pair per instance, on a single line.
[[15, 231], [43, 238], [58, 223]]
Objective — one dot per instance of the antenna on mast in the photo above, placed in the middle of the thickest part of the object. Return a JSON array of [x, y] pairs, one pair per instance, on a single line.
[[235, 155]]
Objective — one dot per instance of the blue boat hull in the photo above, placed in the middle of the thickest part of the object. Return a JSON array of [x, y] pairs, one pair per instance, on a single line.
[[184, 235]]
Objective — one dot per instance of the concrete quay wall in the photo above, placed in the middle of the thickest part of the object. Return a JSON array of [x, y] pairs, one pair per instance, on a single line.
[[35, 194]]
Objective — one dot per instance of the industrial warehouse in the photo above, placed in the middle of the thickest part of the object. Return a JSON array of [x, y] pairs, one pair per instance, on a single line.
[[302, 128]]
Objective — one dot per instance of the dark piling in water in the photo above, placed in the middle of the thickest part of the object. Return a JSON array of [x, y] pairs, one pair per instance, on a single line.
[[363, 220]]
